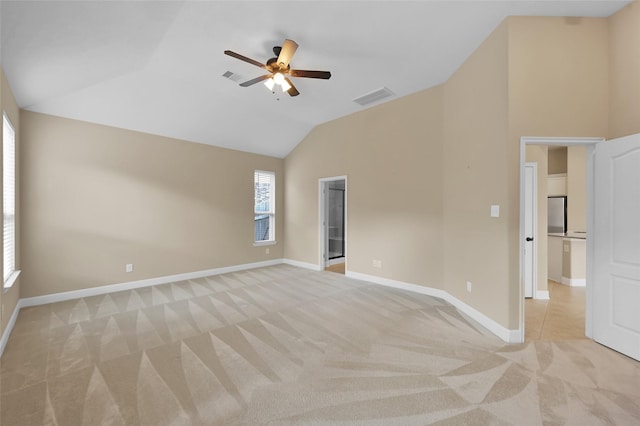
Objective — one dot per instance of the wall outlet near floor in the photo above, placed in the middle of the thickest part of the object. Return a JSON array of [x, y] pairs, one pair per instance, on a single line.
[[128, 267], [469, 286], [266, 250], [376, 263]]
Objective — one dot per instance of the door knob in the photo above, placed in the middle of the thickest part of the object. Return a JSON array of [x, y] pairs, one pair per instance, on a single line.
[[529, 238]]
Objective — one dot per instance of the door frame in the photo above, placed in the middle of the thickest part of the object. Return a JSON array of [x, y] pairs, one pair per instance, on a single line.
[[589, 143], [323, 206], [534, 219]]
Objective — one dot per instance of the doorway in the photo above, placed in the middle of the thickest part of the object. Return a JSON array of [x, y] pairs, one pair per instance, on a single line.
[[333, 214], [537, 309], [554, 288]]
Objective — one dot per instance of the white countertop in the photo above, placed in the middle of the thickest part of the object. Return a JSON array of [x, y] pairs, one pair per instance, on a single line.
[[575, 235]]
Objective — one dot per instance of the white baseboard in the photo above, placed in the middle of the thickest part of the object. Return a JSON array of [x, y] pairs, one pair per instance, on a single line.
[[336, 261], [429, 291], [542, 294], [507, 335], [574, 282], [7, 331], [112, 288], [304, 265]]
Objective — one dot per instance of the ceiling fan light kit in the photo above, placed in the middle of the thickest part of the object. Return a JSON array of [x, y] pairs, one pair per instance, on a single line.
[[270, 83], [277, 79], [278, 68]]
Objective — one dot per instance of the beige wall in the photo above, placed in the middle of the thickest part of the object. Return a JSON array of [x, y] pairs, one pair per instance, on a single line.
[[558, 77], [392, 157], [624, 68], [558, 86], [539, 154], [9, 299], [96, 198], [557, 161], [577, 189], [476, 177]]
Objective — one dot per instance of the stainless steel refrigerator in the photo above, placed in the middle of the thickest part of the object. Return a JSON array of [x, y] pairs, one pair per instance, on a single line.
[[557, 215]]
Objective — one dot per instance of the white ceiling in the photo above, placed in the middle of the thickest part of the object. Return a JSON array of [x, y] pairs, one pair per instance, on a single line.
[[157, 67]]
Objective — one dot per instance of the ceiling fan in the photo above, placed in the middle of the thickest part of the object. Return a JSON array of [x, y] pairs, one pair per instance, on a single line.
[[278, 68]]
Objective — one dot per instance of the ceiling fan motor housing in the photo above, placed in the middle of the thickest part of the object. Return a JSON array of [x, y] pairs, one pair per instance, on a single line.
[[273, 66]]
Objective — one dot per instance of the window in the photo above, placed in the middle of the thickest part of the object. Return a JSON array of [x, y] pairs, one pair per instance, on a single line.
[[9, 201], [264, 207]]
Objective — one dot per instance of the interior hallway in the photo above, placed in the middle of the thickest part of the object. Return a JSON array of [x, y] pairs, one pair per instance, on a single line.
[[560, 318]]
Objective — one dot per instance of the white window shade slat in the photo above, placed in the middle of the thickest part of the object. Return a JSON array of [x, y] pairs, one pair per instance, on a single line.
[[264, 206], [8, 197]]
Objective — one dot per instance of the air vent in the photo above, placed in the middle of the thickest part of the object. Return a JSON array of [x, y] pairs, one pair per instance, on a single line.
[[374, 96], [232, 76]]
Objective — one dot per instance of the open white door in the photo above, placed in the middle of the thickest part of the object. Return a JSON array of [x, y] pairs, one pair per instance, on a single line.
[[616, 256]]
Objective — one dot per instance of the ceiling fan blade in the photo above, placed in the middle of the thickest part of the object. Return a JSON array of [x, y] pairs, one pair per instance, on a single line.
[[310, 74], [244, 58], [255, 80], [286, 53], [292, 91]]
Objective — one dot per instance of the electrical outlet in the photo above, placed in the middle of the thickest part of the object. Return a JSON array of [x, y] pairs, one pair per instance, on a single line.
[[266, 250], [376, 263], [128, 267], [469, 286]]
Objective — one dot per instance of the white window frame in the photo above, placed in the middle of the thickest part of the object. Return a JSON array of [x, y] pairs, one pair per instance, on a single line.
[[262, 174], [9, 190]]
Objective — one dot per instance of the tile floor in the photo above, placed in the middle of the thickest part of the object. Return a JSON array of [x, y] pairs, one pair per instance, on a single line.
[[560, 318], [338, 268]]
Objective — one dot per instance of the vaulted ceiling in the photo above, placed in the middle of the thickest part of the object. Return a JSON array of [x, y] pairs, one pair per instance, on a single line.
[[157, 66]]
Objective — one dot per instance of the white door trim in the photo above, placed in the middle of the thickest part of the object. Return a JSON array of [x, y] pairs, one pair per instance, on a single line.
[[322, 215], [563, 141], [534, 232]]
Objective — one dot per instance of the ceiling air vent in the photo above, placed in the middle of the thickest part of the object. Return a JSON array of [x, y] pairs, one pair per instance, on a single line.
[[231, 76], [374, 96]]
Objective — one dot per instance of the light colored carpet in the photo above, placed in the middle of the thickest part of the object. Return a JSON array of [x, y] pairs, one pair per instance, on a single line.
[[282, 345]]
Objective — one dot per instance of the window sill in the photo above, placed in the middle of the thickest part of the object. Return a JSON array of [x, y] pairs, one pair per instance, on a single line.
[[264, 243], [11, 280]]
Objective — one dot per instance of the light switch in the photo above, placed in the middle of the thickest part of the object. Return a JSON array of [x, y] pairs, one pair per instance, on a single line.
[[495, 210]]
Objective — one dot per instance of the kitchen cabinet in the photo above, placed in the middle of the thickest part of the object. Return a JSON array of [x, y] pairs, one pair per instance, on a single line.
[[574, 262], [567, 259], [554, 258], [557, 185]]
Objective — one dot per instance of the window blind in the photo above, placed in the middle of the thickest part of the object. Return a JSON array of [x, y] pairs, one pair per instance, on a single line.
[[264, 205], [8, 196]]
